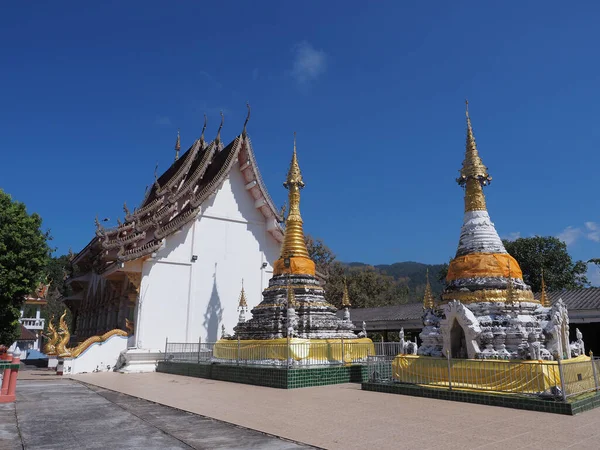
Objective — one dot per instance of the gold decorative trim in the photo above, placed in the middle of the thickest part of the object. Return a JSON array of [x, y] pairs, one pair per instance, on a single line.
[[299, 303], [75, 352], [490, 295], [295, 286], [135, 278]]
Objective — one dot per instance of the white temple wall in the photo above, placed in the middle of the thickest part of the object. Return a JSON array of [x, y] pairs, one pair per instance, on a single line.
[[183, 300]]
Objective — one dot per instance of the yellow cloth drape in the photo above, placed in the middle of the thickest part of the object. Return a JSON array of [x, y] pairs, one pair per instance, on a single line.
[[483, 265], [299, 349], [490, 375], [298, 265]]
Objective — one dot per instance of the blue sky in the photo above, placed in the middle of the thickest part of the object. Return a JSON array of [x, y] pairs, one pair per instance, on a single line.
[[93, 93]]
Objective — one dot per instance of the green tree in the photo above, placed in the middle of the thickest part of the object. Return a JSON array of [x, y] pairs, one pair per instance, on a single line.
[[443, 272], [367, 287], [24, 254], [319, 253], [58, 270], [550, 254]]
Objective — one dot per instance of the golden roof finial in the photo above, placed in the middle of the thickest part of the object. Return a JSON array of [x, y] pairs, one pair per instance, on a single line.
[[291, 297], [544, 300], [346, 296], [473, 174], [247, 119], [242, 302], [218, 138], [428, 298], [177, 145], [293, 242]]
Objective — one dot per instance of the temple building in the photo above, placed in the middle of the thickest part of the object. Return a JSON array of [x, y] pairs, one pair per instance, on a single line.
[[294, 304], [171, 268], [486, 309], [32, 327]]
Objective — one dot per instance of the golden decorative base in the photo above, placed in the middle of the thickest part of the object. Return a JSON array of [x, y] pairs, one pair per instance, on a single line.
[[492, 375], [306, 351]]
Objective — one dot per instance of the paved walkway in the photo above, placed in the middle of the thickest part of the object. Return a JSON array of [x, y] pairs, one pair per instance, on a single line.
[[67, 415], [344, 417]]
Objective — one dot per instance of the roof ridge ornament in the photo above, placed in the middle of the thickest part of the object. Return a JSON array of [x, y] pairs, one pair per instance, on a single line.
[[218, 138], [242, 303], [544, 300], [247, 119], [428, 298], [345, 295], [156, 178], [203, 128], [177, 145]]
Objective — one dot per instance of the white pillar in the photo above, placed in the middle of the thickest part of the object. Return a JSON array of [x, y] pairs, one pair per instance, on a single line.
[[37, 312]]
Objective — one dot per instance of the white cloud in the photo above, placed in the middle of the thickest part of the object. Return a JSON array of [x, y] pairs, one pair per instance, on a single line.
[[569, 235], [593, 274], [590, 230], [513, 236], [309, 63], [593, 231], [162, 121]]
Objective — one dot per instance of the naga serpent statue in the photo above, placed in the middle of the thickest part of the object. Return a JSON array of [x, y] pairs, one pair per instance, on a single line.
[[52, 337], [63, 330]]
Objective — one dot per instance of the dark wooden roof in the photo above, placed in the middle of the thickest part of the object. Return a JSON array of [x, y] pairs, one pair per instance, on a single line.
[[174, 200], [585, 298], [409, 311], [26, 335]]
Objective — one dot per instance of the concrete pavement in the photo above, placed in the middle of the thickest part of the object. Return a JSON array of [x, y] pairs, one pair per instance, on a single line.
[[64, 414], [344, 417]]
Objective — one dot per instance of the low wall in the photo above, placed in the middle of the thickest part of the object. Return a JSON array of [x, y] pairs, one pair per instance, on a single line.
[[571, 407], [276, 377], [98, 357]]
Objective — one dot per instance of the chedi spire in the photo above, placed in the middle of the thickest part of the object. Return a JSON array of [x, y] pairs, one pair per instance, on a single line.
[[482, 264], [294, 254], [428, 298]]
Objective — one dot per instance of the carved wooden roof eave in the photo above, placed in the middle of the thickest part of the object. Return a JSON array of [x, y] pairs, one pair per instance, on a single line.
[[139, 252], [184, 169], [261, 184], [190, 183]]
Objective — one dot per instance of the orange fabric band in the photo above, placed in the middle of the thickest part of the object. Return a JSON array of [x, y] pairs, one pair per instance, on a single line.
[[298, 265], [484, 265]]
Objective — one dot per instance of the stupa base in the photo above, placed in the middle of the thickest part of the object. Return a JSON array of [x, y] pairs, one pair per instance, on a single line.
[[570, 407], [274, 376], [566, 388]]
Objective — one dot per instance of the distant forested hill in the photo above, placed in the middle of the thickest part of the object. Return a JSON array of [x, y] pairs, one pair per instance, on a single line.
[[412, 275]]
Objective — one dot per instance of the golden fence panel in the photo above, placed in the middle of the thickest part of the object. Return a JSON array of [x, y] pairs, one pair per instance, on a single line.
[[494, 375]]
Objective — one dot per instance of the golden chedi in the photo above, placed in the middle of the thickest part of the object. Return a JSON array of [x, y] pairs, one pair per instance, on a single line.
[[487, 310], [294, 278]]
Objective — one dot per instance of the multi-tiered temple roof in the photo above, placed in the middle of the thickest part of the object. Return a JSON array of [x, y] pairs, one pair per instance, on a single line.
[[175, 199]]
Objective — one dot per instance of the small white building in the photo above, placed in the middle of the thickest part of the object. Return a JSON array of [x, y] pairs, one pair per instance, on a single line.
[[173, 268]]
